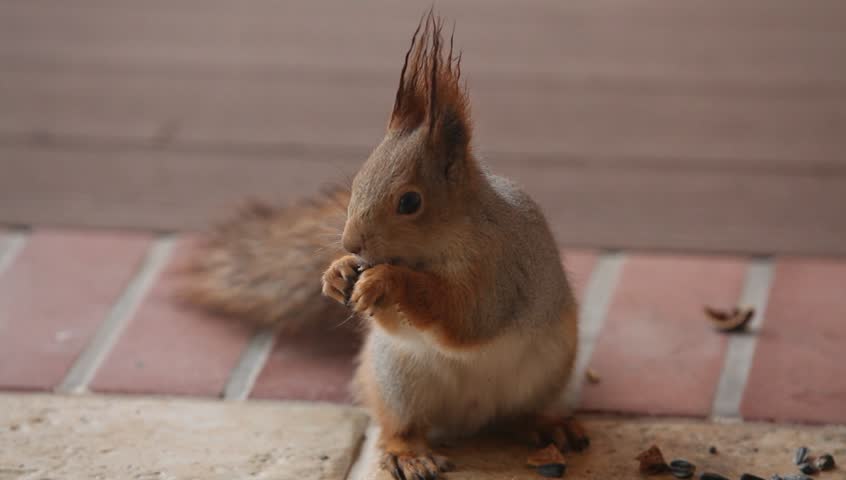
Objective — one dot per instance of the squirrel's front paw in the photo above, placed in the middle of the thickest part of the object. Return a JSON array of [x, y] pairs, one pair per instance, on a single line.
[[372, 289], [339, 278]]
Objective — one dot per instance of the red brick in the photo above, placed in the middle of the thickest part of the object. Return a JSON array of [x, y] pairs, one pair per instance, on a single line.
[[797, 373], [53, 297], [579, 265], [656, 353], [311, 366], [169, 349]]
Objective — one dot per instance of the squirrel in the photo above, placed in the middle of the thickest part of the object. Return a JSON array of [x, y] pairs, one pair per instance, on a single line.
[[470, 320]]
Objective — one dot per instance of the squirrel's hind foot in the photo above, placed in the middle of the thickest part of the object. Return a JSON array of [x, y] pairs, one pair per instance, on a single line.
[[411, 466], [566, 433]]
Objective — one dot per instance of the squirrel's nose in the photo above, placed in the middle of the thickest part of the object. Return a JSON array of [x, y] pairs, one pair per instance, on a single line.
[[353, 244]]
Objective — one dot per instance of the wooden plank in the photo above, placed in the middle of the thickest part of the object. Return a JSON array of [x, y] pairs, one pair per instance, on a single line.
[[146, 188], [578, 119], [716, 211], [635, 208], [750, 83], [701, 41]]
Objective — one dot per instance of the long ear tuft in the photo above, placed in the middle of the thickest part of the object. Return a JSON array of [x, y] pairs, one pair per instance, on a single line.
[[429, 89]]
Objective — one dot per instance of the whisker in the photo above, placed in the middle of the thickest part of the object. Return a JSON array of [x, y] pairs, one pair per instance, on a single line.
[[327, 247], [352, 315], [331, 235]]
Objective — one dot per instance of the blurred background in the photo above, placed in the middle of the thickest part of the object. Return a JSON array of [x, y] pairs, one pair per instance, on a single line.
[[715, 125]]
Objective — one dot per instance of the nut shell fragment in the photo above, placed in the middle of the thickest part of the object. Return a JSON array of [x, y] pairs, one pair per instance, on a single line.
[[801, 455], [734, 320], [825, 462], [545, 456], [552, 470], [592, 376], [682, 468], [652, 461], [712, 476]]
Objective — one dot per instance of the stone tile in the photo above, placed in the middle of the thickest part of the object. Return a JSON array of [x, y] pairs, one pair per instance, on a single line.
[[656, 353], [760, 449], [122, 437], [316, 365], [170, 348], [798, 370], [54, 295]]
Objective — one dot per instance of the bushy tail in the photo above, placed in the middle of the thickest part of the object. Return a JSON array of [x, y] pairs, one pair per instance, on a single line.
[[264, 265]]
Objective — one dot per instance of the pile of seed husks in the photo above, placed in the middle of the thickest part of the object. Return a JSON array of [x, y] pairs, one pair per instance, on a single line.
[[652, 463]]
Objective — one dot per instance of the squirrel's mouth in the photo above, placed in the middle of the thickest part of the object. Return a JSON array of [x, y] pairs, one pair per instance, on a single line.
[[368, 262], [410, 263]]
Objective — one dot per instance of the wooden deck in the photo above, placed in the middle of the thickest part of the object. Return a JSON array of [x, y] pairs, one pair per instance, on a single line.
[[708, 125]]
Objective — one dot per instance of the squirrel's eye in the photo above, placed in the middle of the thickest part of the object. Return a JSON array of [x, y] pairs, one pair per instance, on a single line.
[[409, 203]]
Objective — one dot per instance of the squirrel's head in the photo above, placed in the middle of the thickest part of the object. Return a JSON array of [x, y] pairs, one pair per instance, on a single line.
[[413, 194]]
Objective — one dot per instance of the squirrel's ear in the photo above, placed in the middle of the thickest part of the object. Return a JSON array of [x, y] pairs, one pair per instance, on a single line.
[[430, 94], [450, 135]]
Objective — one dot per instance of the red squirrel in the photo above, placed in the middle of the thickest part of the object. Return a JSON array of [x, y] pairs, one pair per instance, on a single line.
[[469, 318]]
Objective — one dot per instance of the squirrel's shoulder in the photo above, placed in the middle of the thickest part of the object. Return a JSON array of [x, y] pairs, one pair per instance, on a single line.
[[520, 223], [512, 195]]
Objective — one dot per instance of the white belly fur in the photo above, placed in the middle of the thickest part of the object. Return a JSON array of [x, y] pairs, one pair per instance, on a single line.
[[461, 391]]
